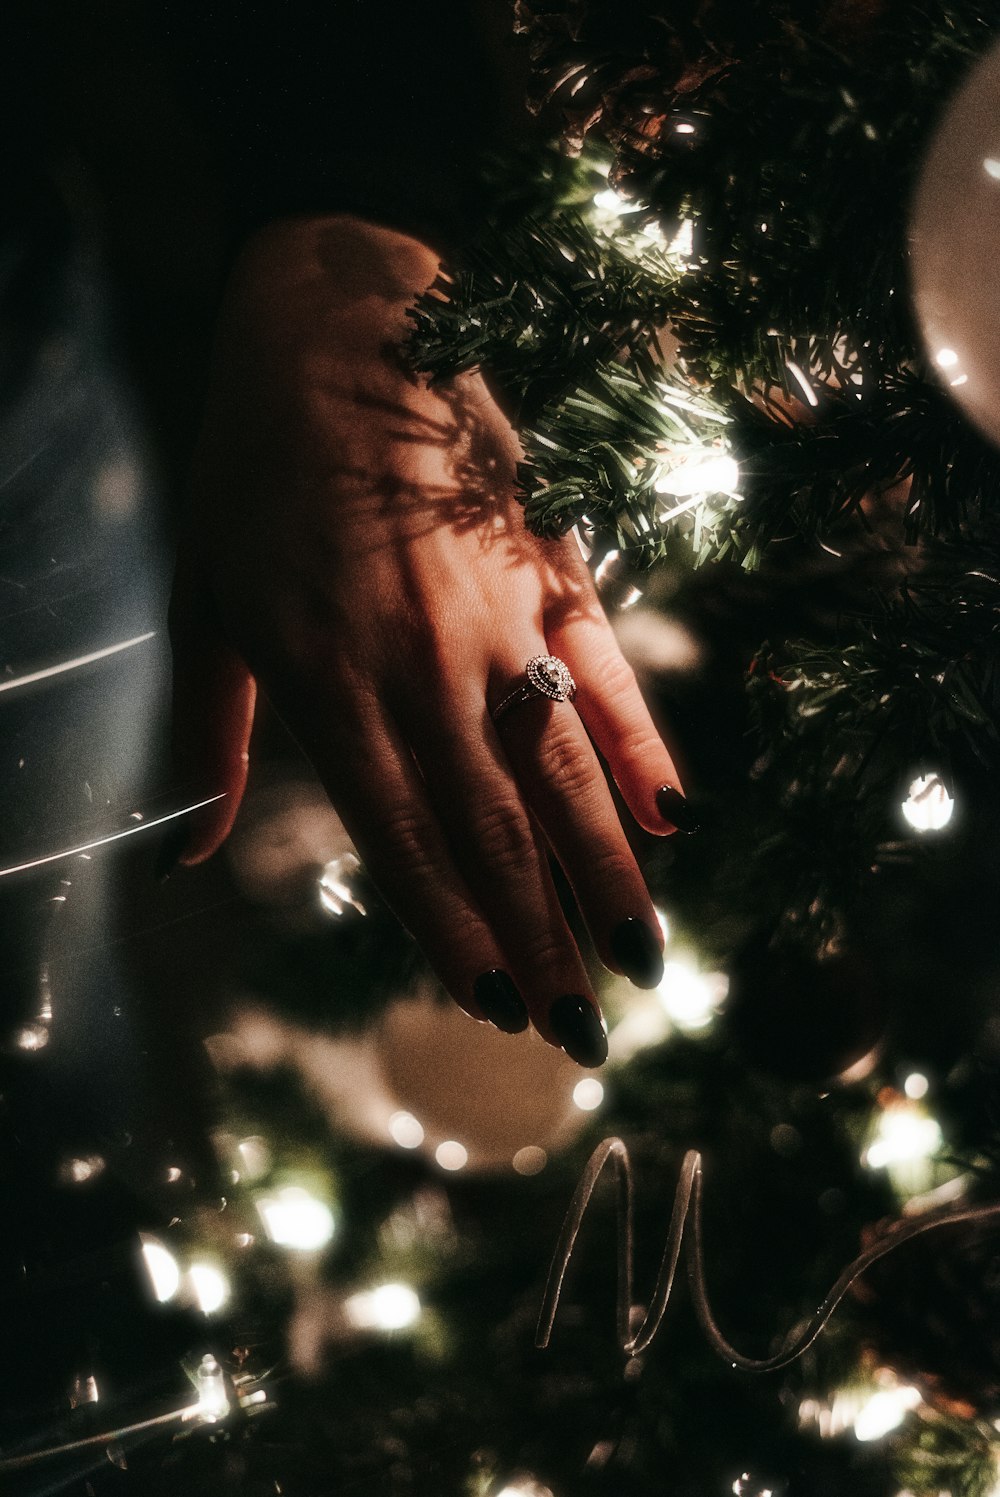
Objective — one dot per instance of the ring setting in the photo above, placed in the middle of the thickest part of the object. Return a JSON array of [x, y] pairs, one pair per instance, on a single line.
[[547, 676]]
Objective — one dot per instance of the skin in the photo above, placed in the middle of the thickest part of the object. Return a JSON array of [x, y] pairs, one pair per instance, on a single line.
[[355, 552]]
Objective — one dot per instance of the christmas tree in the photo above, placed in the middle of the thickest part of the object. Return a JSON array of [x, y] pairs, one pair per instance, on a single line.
[[697, 304]]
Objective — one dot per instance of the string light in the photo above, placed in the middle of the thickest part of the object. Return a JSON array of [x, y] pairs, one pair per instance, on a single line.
[[294, 1218], [530, 1160], [405, 1130], [928, 806], [916, 1086], [588, 1094], [690, 997], [210, 1381], [335, 892], [255, 1156], [885, 1411], [390, 1307], [451, 1155], [904, 1134], [706, 471], [162, 1267], [210, 1285], [78, 1171]]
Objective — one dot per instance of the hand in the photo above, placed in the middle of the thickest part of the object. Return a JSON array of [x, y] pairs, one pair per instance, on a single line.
[[356, 550]]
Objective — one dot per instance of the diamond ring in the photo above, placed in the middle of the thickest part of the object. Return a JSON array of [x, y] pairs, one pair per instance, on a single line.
[[547, 676]]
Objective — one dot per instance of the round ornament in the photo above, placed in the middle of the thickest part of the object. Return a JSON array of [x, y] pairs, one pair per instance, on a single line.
[[954, 231]]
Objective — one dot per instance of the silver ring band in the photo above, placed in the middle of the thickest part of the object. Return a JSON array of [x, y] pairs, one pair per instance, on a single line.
[[547, 676]]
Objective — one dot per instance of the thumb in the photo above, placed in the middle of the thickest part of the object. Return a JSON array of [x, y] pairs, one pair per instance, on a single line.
[[213, 707]]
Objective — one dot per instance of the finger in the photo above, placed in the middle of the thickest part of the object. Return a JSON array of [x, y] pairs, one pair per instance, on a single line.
[[370, 776], [562, 780], [494, 842], [610, 703], [213, 707]]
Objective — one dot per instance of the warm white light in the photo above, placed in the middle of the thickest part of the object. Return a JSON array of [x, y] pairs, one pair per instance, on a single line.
[[691, 997], [588, 1094], [451, 1155], [32, 1037], [992, 168], [405, 1130], [526, 1488], [210, 1285], [610, 201], [530, 1160], [210, 1381], [683, 127], [173, 1174], [390, 1307], [928, 806], [706, 472], [916, 1086], [295, 1219], [162, 1267], [802, 382], [335, 892], [884, 1411], [682, 244], [904, 1134], [76, 1171], [946, 358], [255, 1156]]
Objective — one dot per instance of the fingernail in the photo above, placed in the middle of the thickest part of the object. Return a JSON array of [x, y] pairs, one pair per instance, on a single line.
[[637, 952], [579, 1029], [674, 808], [171, 850], [500, 1001]]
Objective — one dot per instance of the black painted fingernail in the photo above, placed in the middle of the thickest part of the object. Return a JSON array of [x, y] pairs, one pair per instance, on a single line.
[[500, 1001], [637, 952], [674, 808], [579, 1030], [171, 850]]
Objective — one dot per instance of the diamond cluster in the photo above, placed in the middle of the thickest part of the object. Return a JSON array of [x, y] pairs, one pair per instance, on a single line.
[[551, 677]]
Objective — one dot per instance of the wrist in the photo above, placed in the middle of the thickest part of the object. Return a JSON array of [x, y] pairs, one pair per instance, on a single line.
[[311, 278]]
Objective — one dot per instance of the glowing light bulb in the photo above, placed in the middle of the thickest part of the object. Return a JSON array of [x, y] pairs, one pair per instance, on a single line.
[[390, 1307], [691, 997], [530, 1160], [405, 1130], [451, 1155], [682, 244], [706, 472], [610, 201], [210, 1285], [916, 1086], [335, 892], [946, 358], [928, 806], [255, 1156], [905, 1133], [588, 1094], [162, 1267], [78, 1171], [295, 1219], [210, 1381], [885, 1411]]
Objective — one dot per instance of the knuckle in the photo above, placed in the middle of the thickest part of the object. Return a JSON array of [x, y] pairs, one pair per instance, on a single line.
[[400, 835], [567, 765], [505, 836], [542, 953], [611, 867], [618, 680]]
